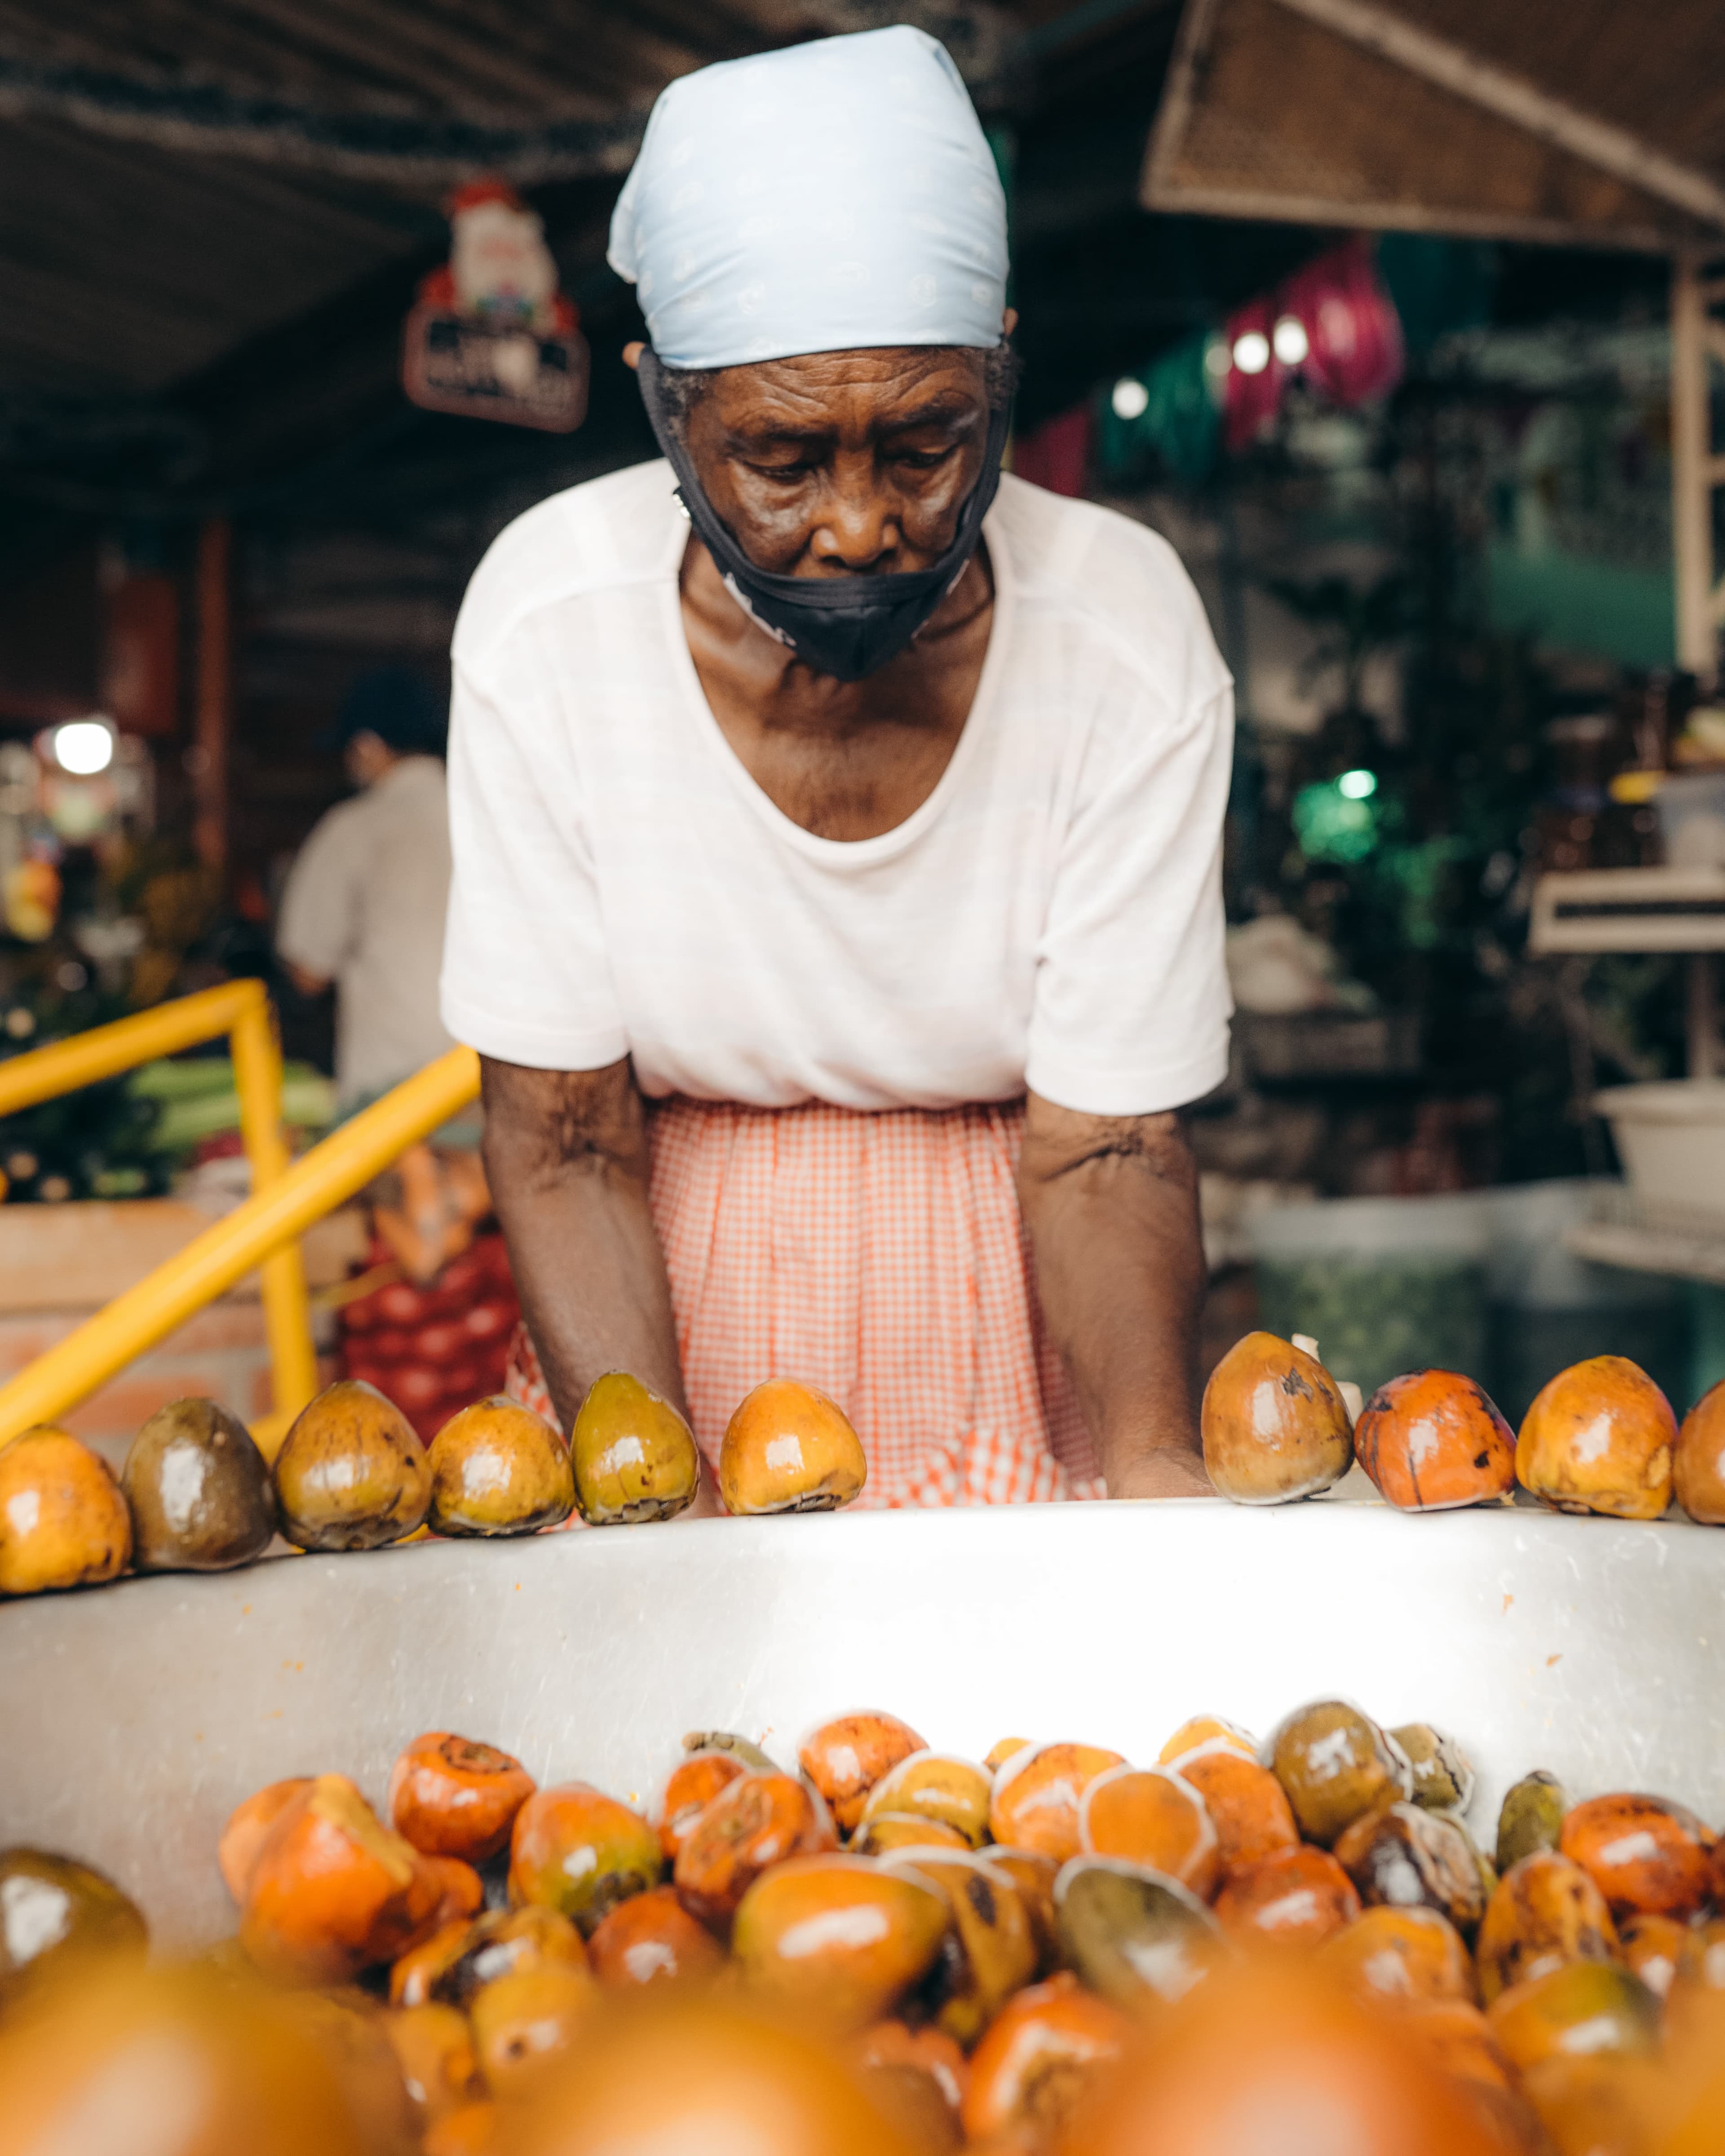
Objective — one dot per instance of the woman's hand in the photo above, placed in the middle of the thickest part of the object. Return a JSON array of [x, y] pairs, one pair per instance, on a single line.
[[1165, 1474]]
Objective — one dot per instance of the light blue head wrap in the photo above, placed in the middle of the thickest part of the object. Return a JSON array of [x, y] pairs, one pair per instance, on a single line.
[[833, 196]]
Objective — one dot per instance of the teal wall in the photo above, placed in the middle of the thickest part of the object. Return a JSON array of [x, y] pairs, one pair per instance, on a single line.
[[1583, 605]]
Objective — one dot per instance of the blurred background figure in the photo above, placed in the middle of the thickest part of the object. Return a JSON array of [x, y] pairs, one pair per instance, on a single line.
[[364, 904]]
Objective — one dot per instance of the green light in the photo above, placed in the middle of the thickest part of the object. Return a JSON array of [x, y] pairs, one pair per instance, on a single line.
[[1330, 825], [1356, 785]]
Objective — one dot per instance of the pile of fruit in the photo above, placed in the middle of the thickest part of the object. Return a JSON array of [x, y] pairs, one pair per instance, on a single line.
[[196, 1494], [1240, 1950], [434, 1349], [1600, 1437]]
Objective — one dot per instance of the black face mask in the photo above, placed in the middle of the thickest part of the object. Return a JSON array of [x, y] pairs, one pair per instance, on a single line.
[[844, 626]]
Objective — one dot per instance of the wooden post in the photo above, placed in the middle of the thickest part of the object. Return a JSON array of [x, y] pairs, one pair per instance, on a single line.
[[215, 691], [1692, 488]]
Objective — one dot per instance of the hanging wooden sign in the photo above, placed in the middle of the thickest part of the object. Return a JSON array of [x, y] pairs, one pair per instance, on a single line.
[[490, 336]]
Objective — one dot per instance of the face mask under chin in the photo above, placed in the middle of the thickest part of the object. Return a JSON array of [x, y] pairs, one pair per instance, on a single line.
[[847, 626]]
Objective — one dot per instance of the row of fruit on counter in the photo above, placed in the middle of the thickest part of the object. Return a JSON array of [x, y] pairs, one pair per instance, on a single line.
[[1600, 1437], [195, 1494], [1025, 1955]]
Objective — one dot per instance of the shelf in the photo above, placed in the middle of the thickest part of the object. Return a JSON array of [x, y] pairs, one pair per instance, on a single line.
[[1684, 1245], [1597, 909]]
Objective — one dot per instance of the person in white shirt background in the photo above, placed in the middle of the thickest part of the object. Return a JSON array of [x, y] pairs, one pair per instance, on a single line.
[[837, 832], [365, 901]]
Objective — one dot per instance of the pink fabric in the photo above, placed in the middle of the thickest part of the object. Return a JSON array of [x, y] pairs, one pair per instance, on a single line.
[[882, 1258]]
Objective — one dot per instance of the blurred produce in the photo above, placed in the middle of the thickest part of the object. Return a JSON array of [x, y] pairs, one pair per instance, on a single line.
[[779, 1995], [435, 1348]]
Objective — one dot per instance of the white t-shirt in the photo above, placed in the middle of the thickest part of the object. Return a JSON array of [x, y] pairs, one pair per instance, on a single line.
[[1050, 917], [364, 907]]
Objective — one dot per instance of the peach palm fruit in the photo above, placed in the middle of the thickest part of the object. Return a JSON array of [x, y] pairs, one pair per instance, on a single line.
[[789, 1448], [1274, 1426], [1598, 1438]]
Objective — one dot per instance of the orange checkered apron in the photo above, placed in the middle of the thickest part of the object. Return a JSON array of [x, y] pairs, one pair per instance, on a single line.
[[882, 1257]]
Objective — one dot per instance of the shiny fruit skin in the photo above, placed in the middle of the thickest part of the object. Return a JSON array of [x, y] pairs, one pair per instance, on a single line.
[[1034, 1875], [789, 1448], [1442, 1775], [198, 1489], [498, 1468], [434, 2047], [923, 2050], [575, 1850], [1459, 2037], [888, 1831], [1408, 1857], [1530, 1817], [837, 1937], [1583, 2009], [694, 1783], [651, 1938], [450, 1796], [1401, 1953], [1612, 2106], [1275, 1427], [1647, 1855], [248, 1828], [844, 1759], [1433, 1440], [1043, 2053], [58, 1915], [632, 1455], [1600, 1437], [1544, 1912], [754, 1822], [351, 1473], [1132, 1935], [62, 1520], [1297, 1898], [934, 1785], [989, 1951], [1336, 1765], [1247, 1806], [1034, 1801], [1155, 1817], [1652, 1948], [526, 2022], [332, 1890], [415, 1976], [1699, 1459], [502, 1943], [1203, 1732]]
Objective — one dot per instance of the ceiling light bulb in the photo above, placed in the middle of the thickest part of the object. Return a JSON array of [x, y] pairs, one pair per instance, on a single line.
[[1131, 399], [1291, 340], [82, 746], [1356, 785], [1251, 352]]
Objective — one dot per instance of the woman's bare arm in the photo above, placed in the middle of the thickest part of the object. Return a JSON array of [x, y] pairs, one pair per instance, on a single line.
[[1111, 1206], [565, 1154]]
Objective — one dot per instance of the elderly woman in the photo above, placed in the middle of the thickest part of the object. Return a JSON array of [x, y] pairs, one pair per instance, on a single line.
[[837, 833]]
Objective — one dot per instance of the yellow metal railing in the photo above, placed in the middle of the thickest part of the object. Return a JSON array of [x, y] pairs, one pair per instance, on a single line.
[[262, 1233]]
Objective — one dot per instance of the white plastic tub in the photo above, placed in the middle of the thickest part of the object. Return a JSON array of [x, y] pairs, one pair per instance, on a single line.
[[1671, 1138]]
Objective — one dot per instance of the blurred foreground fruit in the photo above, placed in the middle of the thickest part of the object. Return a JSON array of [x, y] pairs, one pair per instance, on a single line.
[[1433, 1440], [498, 1468], [1266, 2061], [351, 1473], [696, 2078], [1039, 2064], [1132, 1935], [248, 1828], [989, 1950], [575, 1850], [170, 2062], [198, 1489], [1599, 1438], [332, 1890], [434, 2047], [1401, 1953], [1296, 1898], [694, 1783], [789, 1448], [526, 2024], [452, 1797], [632, 1455], [838, 1939], [62, 1521], [56, 1916], [1275, 1427], [845, 1759], [1580, 2011]]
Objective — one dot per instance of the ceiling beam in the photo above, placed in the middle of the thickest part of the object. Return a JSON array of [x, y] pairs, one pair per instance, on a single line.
[[1456, 69]]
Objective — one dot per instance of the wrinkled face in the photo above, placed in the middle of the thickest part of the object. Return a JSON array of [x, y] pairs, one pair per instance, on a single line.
[[843, 463]]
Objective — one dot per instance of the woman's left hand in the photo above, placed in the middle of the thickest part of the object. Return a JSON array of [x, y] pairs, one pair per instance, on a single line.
[[1165, 1474]]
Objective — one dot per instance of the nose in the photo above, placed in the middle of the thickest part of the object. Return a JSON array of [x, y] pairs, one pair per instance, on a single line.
[[857, 528]]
